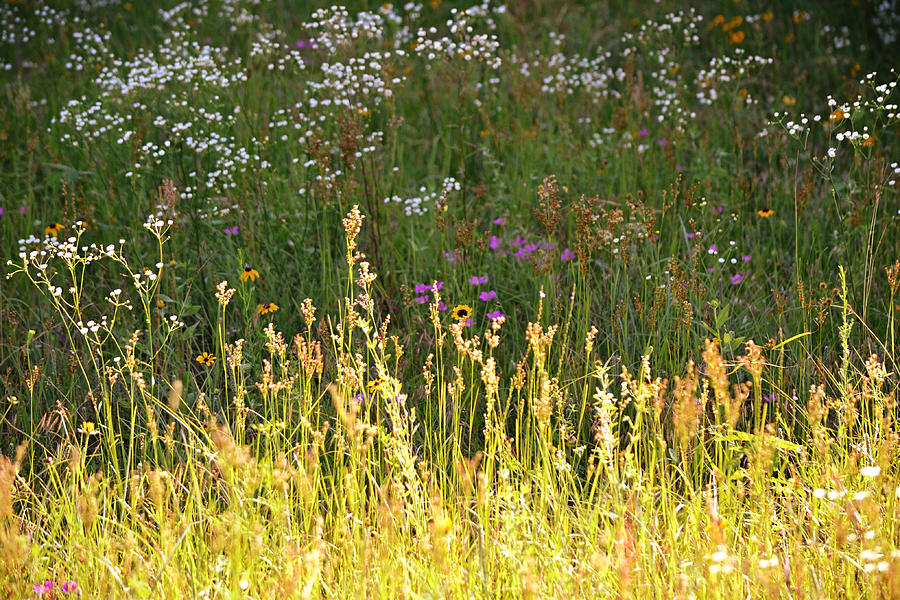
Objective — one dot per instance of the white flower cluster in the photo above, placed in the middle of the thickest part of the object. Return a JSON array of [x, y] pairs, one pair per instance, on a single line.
[[333, 29], [575, 74], [192, 65], [418, 205], [13, 28], [465, 43], [727, 71], [194, 10], [854, 122], [36, 257], [886, 18], [93, 50], [358, 79], [157, 225], [92, 326]]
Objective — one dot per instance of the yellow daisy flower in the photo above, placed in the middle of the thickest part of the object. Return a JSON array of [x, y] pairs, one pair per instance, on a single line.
[[53, 229], [249, 274], [206, 359], [267, 307], [765, 213], [375, 386], [461, 312]]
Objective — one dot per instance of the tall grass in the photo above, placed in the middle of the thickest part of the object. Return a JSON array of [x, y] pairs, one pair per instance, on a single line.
[[518, 306]]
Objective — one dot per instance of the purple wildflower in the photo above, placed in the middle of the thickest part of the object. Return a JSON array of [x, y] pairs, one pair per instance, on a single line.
[[493, 316], [499, 221], [517, 241], [644, 132], [442, 306], [452, 257], [488, 296], [476, 280], [567, 255], [690, 236], [495, 242], [421, 299], [42, 588], [745, 257], [424, 288], [661, 141], [69, 586], [23, 209], [710, 269], [1, 211], [231, 230], [679, 167], [736, 279], [713, 250], [717, 210]]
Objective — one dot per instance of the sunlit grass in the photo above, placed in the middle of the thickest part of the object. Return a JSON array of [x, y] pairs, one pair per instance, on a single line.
[[594, 302]]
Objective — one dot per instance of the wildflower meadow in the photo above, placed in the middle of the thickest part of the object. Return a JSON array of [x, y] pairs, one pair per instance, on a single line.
[[449, 299]]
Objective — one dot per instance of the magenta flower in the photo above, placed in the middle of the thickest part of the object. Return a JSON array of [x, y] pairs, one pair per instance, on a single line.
[[736, 279], [42, 588], [690, 236], [231, 230], [710, 269], [493, 316], [495, 242], [424, 288], [499, 221], [717, 210], [68, 587], [442, 306], [421, 299], [517, 241], [488, 296], [661, 141], [23, 209], [713, 250], [1, 211], [567, 255], [644, 132], [745, 257], [476, 280], [452, 257]]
